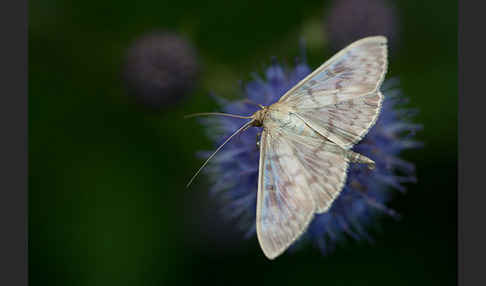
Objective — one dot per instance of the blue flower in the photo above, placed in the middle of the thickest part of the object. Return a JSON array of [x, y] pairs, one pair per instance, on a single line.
[[234, 171]]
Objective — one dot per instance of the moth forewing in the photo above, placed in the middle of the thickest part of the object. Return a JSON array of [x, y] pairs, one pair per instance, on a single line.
[[341, 99], [359, 58], [284, 206]]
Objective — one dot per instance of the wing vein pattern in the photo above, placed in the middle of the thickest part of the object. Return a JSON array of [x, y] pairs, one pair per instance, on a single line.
[[341, 99], [298, 177]]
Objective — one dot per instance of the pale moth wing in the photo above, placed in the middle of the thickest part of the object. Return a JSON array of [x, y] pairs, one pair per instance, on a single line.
[[298, 176], [341, 99], [324, 165], [302, 173], [284, 204]]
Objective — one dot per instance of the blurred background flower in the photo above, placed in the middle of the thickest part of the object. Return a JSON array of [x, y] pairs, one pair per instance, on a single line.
[[348, 20], [234, 171], [160, 68]]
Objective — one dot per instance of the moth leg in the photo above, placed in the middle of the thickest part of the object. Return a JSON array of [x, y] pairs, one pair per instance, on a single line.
[[354, 157], [258, 137]]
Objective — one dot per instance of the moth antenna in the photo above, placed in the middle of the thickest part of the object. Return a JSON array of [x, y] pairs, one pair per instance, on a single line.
[[242, 128], [217, 114], [246, 100]]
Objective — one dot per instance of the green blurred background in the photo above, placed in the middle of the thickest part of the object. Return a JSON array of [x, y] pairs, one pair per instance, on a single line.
[[107, 203]]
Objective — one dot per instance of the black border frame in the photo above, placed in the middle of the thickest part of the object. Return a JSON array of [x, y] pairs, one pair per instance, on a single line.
[[471, 187], [13, 125]]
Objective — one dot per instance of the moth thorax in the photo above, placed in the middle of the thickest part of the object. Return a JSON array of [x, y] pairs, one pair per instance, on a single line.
[[259, 116]]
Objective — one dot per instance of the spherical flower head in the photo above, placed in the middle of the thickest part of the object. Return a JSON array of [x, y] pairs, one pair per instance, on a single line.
[[160, 68], [347, 20], [234, 171]]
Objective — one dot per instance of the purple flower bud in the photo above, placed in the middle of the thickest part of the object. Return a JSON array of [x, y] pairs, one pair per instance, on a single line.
[[348, 20], [160, 68]]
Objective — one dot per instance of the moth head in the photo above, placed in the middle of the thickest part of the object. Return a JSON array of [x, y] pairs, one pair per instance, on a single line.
[[259, 116]]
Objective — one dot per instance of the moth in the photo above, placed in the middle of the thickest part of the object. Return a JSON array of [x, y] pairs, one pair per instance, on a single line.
[[305, 145]]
